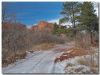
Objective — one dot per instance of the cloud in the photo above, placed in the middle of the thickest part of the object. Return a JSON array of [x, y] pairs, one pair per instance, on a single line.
[[29, 26], [57, 21], [54, 21]]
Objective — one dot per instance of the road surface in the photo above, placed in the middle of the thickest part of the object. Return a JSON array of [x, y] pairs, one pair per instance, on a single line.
[[38, 62]]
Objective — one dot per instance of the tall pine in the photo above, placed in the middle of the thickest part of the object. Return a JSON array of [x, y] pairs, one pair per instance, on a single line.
[[88, 19], [70, 11]]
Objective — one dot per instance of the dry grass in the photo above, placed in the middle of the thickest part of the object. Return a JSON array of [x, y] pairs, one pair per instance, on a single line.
[[92, 65], [43, 46], [83, 65], [73, 52], [20, 55], [83, 41], [11, 57], [95, 69], [83, 62], [87, 63]]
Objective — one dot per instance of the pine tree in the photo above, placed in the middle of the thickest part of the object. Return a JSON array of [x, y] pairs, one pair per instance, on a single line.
[[70, 11], [88, 19]]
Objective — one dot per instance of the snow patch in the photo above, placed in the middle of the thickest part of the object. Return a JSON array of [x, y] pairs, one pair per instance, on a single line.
[[73, 66], [77, 69]]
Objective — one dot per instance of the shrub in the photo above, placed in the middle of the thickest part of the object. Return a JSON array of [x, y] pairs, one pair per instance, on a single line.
[[16, 39]]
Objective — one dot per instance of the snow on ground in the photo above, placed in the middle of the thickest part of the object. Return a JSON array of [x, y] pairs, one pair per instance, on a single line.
[[74, 66], [36, 62], [79, 64], [43, 62]]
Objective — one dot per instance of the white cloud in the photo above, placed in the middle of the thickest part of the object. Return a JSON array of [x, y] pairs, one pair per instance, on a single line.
[[29, 26], [57, 21], [54, 21]]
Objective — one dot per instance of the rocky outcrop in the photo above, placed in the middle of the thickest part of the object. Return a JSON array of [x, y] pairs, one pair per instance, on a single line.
[[43, 26], [8, 25]]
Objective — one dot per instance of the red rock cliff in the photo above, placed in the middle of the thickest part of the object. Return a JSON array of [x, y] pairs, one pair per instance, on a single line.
[[43, 26]]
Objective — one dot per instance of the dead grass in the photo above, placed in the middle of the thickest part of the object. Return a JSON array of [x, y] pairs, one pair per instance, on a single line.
[[43, 46], [83, 62], [87, 63], [93, 66], [84, 41], [95, 70], [73, 52], [20, 55], [11, 57]]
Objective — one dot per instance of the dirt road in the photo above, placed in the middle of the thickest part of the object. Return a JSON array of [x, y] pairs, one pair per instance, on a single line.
[[38, 62]]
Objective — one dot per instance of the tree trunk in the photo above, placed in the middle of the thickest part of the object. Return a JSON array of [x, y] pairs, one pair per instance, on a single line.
[[91, 37], [73, 22]]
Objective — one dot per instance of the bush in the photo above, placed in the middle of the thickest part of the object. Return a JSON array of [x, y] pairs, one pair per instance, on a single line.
[[44, 37], [15, 39], [83, 40]]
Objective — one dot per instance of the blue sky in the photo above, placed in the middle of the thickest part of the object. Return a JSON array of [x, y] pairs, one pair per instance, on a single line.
[[30, 13]]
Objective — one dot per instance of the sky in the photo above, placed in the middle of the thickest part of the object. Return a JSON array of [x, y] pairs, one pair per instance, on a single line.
[[30, 13]]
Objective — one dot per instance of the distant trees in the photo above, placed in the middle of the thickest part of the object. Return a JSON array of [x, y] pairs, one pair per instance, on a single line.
[[4, 12], [6, 16], [58, 29]]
